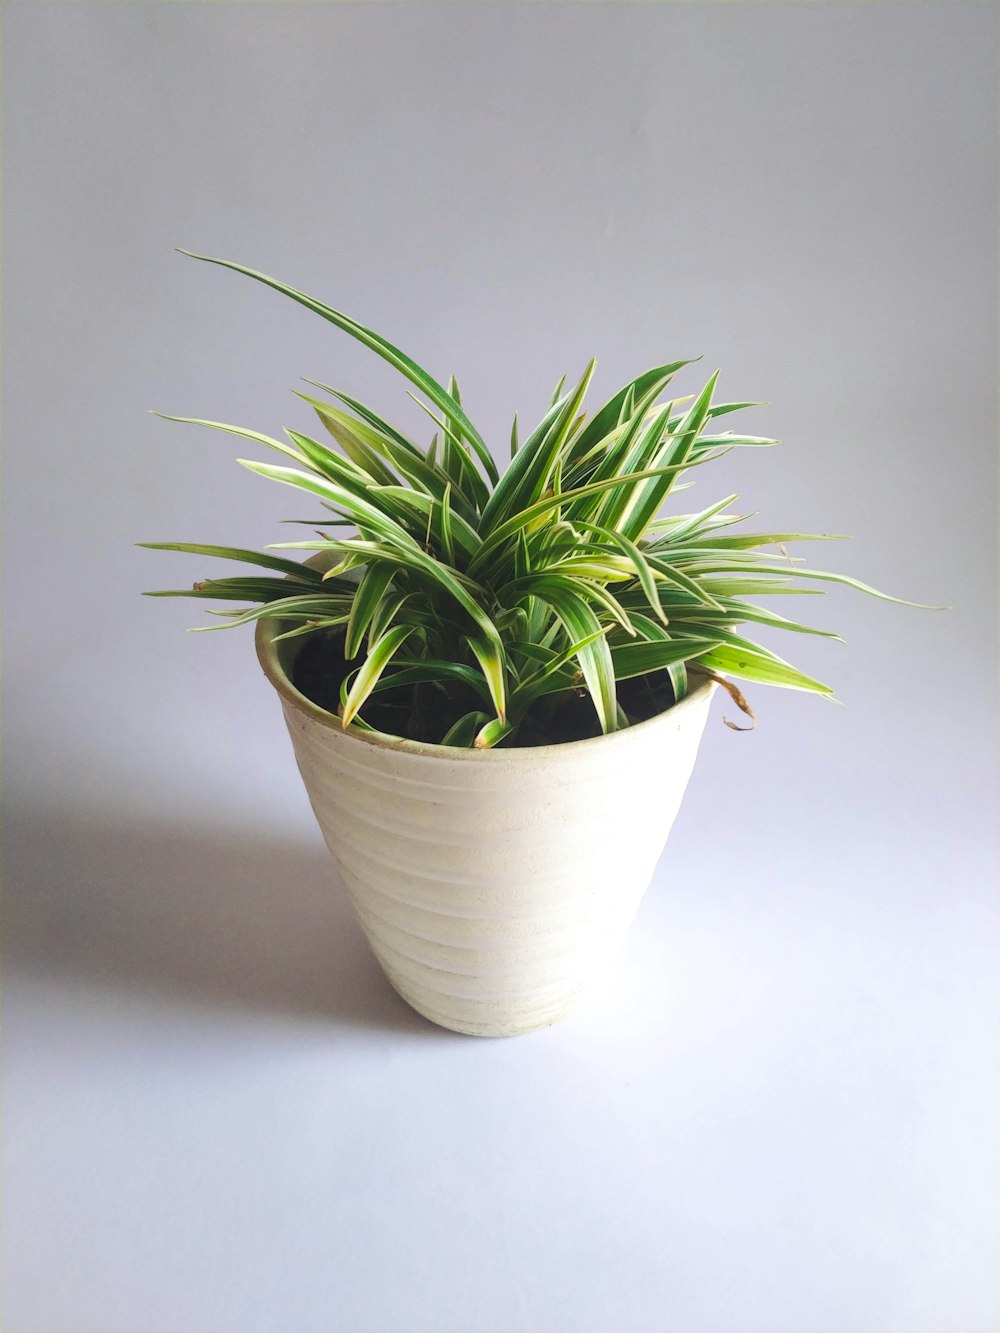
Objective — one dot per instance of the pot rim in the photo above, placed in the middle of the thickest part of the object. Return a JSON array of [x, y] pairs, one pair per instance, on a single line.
[[273, 670], [267, 656]]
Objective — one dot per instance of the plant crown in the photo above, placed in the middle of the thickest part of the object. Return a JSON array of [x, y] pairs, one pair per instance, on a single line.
[[513, 591]]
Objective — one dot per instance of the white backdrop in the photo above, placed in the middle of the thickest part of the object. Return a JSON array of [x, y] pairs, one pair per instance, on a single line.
[[780, 1113]]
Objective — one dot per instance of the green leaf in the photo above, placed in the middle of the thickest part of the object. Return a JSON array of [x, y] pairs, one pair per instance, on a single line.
[[751, 567], [406, 502], [490, 656], [379, 657], [745, 611], [748, 541], [616, 454], [254, 435], [419, 469], [386, 611], [344, 471], [361, 442], [722, 409], [376, 343], [530, 470], [447, 534], [292, 567], [862, 587], [726, 636], [609, 416], [595, 593], [639, 659], [260, 589], [550, 679], [740, 587], [429, 670], [463, 733], [677, 451], [456, 462], [727, 440], [681, 529], [765, 670], [361, 510], [492, 733], [693, 586], [381, 429], [513, 525], [358, 450], [374, 583], [518, 477], [285, 608], [595, 657], [310, 627], [677, 672], [645, 448], [653, 630]]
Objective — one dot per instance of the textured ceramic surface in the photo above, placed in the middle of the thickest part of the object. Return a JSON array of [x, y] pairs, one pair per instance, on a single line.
[[494, 885]]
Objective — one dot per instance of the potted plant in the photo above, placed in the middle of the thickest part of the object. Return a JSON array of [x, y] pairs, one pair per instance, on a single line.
[[482, 673]]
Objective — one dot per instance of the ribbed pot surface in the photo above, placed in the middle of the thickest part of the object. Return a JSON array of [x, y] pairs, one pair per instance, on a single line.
[[493, 885]]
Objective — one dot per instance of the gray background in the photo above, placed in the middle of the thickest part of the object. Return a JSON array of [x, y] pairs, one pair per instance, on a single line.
[[780, 1112]]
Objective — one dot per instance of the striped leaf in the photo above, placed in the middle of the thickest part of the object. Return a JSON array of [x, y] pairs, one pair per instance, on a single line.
[[379, 656], [508, 594], [397, 359]]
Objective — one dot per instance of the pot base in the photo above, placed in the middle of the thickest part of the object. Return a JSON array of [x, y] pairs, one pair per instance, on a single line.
[[510, 1026]]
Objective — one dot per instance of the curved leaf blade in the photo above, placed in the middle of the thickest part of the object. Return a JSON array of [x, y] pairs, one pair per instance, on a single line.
[[379, 657], [376, 343]]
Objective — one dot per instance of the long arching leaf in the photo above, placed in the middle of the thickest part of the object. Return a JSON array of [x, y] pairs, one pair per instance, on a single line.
[[399, 360]]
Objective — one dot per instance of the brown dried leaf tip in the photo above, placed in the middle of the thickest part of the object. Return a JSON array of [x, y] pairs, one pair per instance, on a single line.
[[737, 699]]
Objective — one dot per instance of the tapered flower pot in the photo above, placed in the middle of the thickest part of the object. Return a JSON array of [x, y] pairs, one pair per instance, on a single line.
[[492, 885]]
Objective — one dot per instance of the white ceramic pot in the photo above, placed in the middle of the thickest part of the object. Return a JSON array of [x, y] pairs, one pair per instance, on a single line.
[[492, 885]]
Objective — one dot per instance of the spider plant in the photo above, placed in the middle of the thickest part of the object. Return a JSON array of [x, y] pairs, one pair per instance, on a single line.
[[506, 594]]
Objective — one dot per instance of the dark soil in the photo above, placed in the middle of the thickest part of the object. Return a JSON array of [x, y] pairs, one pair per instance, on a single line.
[[425, 712]]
